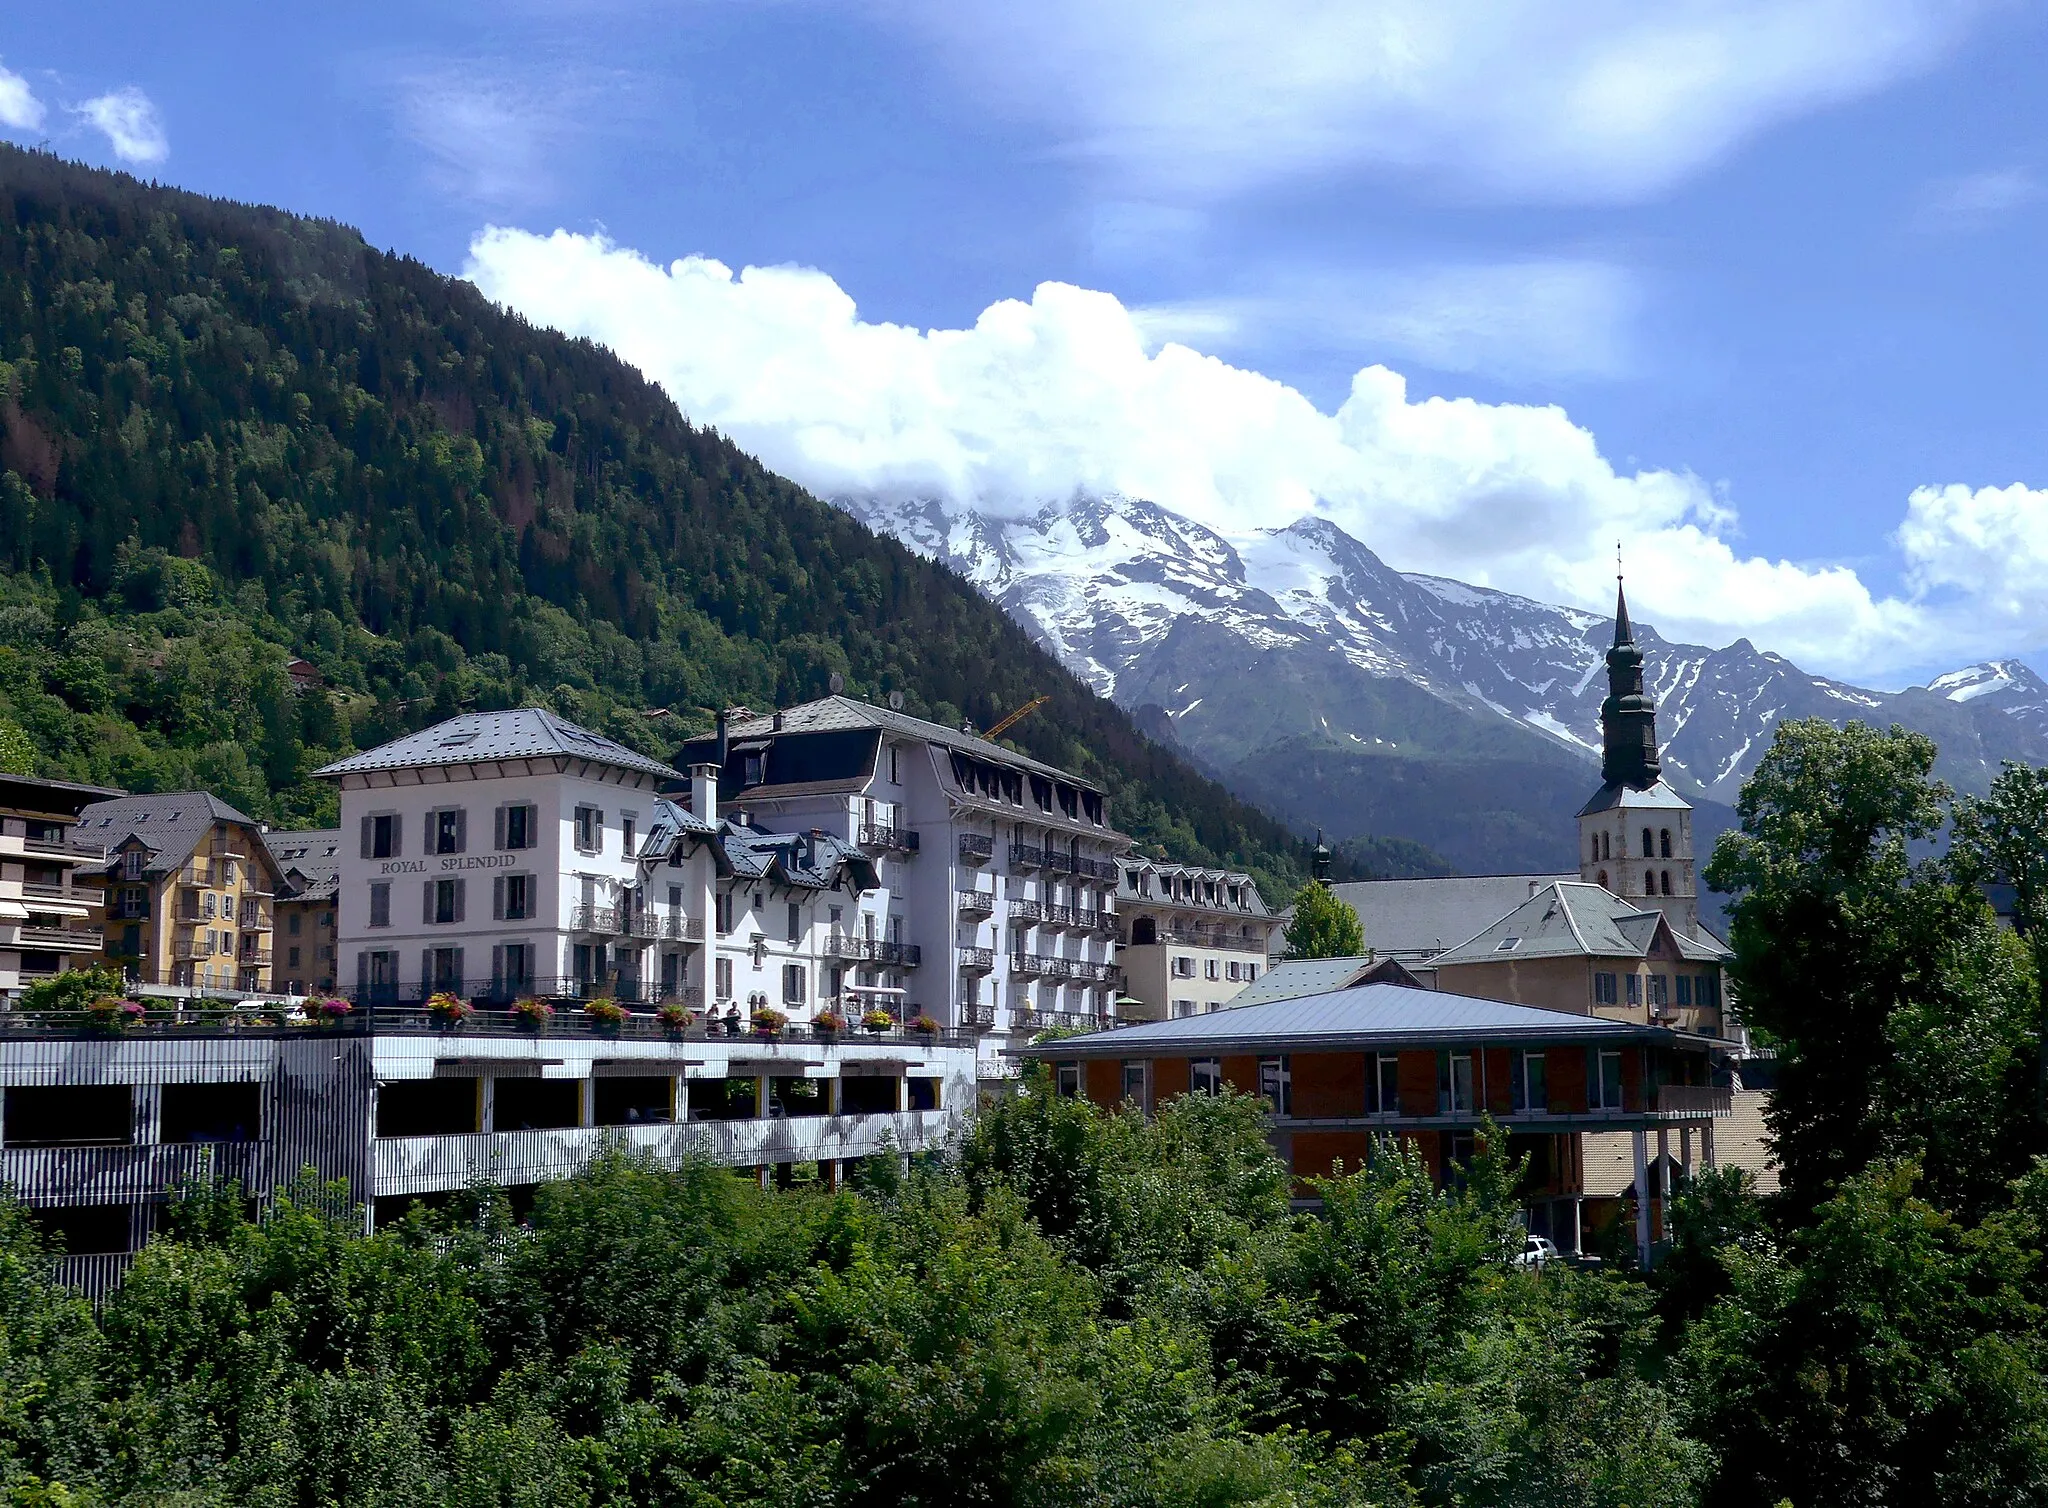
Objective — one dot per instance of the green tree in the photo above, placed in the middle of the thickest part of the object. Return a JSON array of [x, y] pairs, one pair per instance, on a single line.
[[17, 753], [2003, 839], [1323, 925], [72, 989]]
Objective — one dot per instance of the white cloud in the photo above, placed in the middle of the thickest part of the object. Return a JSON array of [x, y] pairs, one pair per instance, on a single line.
[[487, 139], [20, 110], [1541, 317], [1067, 393], [132, 126], [1550, 99], [1977, 201]]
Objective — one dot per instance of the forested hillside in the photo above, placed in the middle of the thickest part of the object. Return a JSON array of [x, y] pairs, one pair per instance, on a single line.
[[230, 436]]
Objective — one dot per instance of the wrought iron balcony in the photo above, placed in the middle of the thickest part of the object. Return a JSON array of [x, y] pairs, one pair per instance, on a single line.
[[1022, 910], [977, 960], [976, 903], [603, 919], [976, 849], [896, 839], [1024, 856], [682, 928]]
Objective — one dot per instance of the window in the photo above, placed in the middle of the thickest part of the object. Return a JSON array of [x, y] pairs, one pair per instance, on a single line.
[[1685, 989], [1604, 1089], [131, 864], [211, 1112], [291, 924], [752, 770], [1649, 851], [1660, 987], [1251, 971], [443, 902], [721, 906], [589, 830], [627, 826], [512, 969], [895, 765], [1134, 1080], [535, 1104], [377, 975], [1603, 989], [1531, 1094], [513, 897], [292, 961], [1230, 971], [795, 931], [1205, 1076], [1635, 988], [721, 974], [517, 827], [68, 1115], [1664, 843], [1666, 879], [209, 906], [380, 903], [1607, 845], [1710, 991], [446, 830], [1184, 1008], [1382, 1084], [1454, 1083], [1209, 969], [792, 984], [1276, 1085], [1649, 883], [1183, 968], [1066, 1081], [442, 970], [1507, 945], [381, 837]]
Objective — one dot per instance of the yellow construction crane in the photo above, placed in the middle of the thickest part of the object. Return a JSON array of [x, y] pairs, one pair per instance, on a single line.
[[1016, 717]]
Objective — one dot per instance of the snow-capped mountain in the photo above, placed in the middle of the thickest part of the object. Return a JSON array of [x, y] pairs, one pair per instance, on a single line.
[[1278, 646]]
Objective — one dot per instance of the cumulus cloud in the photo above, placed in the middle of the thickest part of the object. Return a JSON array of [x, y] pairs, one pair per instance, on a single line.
[[1549, 99], [1069, 392], [131, 125], [20, 110]]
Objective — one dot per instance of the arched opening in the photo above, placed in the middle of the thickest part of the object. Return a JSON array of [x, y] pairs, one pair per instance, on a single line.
[[1606, 851], [1144, 930], [1603, 879], [1595, 841], [1667, 882], [1664, 843], [1649, 883], [1649, 852]]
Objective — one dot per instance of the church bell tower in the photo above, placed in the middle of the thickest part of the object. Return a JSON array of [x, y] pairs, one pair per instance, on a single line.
[[1635, 835]]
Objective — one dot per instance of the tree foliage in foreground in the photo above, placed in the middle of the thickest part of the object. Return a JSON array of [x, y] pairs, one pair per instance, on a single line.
[[1323, 925]]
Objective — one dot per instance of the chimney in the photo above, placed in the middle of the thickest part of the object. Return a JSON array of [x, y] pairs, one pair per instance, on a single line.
[[704, 788], [720, 754]]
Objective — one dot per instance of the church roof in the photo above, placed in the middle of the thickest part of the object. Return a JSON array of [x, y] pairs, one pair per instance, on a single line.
[[1415, 919], [1617, 796], [1572, 919]]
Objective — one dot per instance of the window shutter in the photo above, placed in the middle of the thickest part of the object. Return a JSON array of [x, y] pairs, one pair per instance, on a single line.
[[498, 829], [363, 971], [497, 968], [498, 899], [462, 829], [427, 904], [426, 972], [461, 896], [367, 824], [459, 974]]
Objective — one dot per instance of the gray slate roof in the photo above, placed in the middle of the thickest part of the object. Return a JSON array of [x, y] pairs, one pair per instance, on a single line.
[[842, 712], [310, 860], [805, 860], [1416, 919], [524, 733], [1572, 919], [170, 826], [1656, 798], [1301, 976], [1371, 1016]]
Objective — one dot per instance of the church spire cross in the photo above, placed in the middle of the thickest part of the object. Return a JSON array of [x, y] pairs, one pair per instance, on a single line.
[[1628, 718], [1624, 631]]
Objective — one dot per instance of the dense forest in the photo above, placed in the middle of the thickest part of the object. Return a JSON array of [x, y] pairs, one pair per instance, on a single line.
[[230, 437], [1076, 1308]]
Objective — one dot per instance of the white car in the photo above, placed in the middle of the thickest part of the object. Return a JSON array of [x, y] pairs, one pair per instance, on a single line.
[[1537, 1251]]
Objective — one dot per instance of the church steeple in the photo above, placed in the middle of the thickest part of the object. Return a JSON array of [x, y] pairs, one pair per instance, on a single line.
[[1628, 718]]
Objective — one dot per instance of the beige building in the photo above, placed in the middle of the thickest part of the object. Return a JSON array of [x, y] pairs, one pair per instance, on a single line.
[[1192, 938], [310, 863], [190, 889], [49, 920]]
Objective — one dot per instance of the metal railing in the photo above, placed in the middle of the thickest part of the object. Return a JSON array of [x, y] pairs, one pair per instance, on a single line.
[[976, 903], [682, 928], [1689, 1101], [1022, 910], [878, 835], [603, 919], [976, 849], [977, 1014], [977, 960], [1024, 856], [1096, 869], [1058, 862], [1184, 937], [36, 890], [65, 848], [70, 939], [191, 947], [638, 924], [873, 950]]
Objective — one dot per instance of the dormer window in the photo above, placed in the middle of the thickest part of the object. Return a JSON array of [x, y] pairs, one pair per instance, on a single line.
[[752, 771]]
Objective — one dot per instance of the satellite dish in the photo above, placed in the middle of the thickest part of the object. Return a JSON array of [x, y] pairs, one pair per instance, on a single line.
[[837, 682], [895, 701]]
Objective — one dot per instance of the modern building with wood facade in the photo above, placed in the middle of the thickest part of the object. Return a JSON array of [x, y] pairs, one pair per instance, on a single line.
[[1341, 1070]]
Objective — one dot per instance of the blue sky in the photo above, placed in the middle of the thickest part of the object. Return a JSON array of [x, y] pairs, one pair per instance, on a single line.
[[1779, 264]]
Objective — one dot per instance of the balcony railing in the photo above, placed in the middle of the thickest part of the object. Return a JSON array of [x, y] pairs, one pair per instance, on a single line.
[[63, 848], [253, 958], [1691, 1101], [1027, 963], [976, 903], [873, 950], [188, 947], [1095, 919], [977, 960], [976, 1014], [897, 839], [682, 928], [69, 939], [1199, 937], [638, 924], [35, 890], [604, 919], [1095, 869], [1027, 911], [1058, 862], [1024, 856], [976, 849]]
